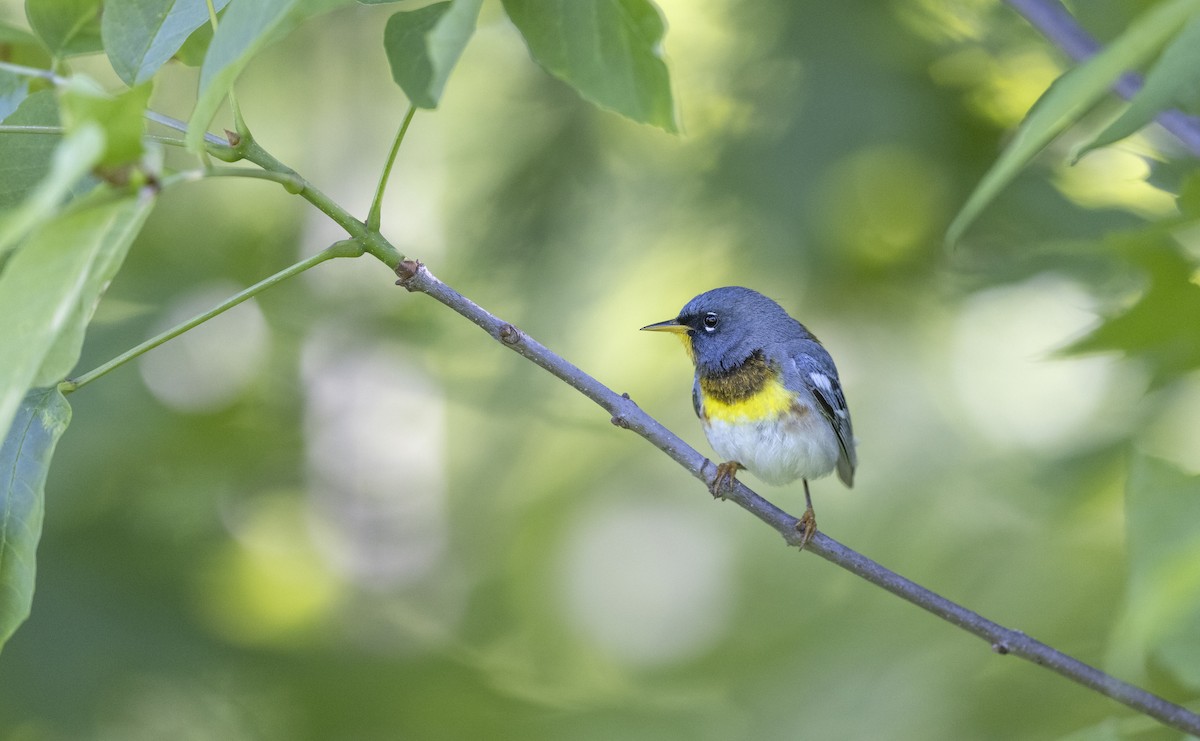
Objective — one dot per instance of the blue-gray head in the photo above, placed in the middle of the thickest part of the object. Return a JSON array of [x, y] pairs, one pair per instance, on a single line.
[[721, 328]]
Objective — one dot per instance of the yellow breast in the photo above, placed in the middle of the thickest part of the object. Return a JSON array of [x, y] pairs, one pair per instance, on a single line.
[[768, 402]]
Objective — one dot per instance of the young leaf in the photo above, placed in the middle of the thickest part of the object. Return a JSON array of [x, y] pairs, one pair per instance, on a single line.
[[74, 158], [120, 116], [66, 27], [25, 453], [245, 29], [1069, 97], [1173, 79], [50, 286], [424, 45], [1163, 605], [610, 51], [141, 35]]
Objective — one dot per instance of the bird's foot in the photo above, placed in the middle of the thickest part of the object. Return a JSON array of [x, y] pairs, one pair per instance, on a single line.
[[807, 526], [726, 476]]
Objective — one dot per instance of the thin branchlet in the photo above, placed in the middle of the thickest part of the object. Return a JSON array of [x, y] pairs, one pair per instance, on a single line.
[[415, 277]]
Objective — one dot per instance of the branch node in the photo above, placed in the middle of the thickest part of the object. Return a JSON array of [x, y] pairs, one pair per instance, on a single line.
[[1000, 647], [407, 270], [233, 138], [510, 335]]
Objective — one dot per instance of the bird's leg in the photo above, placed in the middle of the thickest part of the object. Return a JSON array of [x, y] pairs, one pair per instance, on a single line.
[[807, 524], [722, 483]]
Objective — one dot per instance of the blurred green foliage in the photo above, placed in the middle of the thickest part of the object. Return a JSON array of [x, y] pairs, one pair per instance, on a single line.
[[341, 512]]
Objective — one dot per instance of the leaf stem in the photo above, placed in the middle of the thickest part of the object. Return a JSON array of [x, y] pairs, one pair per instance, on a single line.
[[59, 131], [20, 129], [372, 241], [173, 123], [345, 248], [23, 71], [290, 182], [375, 216]]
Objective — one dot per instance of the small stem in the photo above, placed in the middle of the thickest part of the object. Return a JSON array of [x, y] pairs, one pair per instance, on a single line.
[[372, 241], [170, 141], [374, 218], [175, 123], [291, 182], [16, 129], [347, 248], [59, 131], [239, 123], [23, 71]]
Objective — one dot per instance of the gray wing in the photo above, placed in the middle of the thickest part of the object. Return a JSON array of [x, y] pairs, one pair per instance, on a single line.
[[697, 404], [817, 373]]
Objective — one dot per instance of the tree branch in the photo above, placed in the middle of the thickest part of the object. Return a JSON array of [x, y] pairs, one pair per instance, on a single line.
[[625, 413], [1058, 25]]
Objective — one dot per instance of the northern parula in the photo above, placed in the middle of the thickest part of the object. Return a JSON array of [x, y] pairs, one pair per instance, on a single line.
[[766, 392]]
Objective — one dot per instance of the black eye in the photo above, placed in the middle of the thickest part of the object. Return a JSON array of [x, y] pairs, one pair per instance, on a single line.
[[710, 321]]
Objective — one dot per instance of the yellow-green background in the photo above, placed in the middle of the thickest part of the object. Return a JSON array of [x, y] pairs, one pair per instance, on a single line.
[[342, 512]]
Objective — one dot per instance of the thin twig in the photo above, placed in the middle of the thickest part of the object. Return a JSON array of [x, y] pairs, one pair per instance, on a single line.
[[625, 413], [1058, 25], [346, 248]]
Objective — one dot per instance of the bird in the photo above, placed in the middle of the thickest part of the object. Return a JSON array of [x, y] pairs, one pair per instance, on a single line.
[[767, 393]]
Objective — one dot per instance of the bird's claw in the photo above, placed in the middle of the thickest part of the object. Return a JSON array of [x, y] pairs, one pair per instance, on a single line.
[[807, 527], [726, 476]]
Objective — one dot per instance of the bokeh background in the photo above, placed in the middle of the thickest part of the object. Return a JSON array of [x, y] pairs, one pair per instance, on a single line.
[[342, 512]]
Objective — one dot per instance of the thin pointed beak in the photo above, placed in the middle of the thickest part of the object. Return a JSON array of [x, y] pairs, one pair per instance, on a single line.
[[671, 325]]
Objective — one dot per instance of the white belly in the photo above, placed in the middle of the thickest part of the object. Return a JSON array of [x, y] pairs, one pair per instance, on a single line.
[[778, 452]]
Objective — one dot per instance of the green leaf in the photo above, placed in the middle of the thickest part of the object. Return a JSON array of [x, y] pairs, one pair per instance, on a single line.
[[1188, 201], [1069, 97], [25, 453], [1159, 328], [608, 50], [19, 47], [246, 28], [141, 35], [66, 27], [117, 227], [1162, 617], [50, 287], [74, 158], [25, 158], [121, 117], [1171, 81], [424, 45]]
